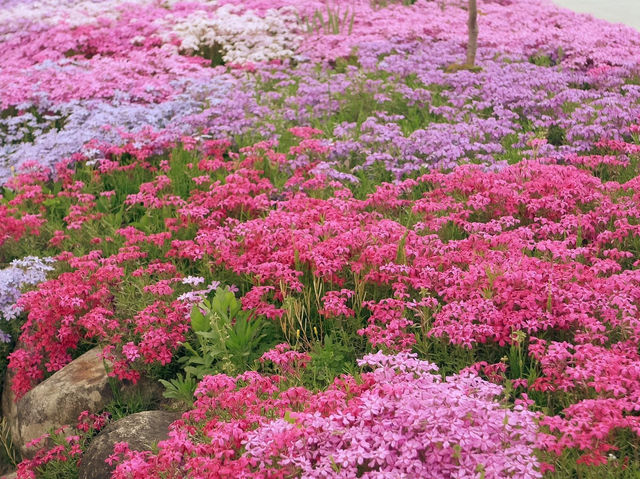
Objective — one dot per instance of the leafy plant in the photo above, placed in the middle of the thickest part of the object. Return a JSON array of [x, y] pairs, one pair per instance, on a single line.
[[213, 52], [182, 388], [329, 359], [8, 453], [61, 449], [556, 135], [125, 404], [227, 339], [335, 22]]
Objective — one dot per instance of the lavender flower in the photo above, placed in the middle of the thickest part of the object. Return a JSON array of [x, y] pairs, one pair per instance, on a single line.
[[28, 271]]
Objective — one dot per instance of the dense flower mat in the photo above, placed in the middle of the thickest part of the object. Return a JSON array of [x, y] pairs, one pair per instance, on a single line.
[[440, 264]]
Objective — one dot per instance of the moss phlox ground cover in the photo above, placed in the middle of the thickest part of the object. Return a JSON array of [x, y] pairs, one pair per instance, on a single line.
[[445, 260]]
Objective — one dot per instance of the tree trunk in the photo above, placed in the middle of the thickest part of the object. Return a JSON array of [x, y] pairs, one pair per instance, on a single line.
[[472, 44]]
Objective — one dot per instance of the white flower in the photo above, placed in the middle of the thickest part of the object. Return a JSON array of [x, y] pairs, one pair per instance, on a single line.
[[193, 280], [241, 36]]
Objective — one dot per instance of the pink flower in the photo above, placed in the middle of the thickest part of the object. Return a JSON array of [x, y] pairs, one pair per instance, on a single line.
[[130, 351]]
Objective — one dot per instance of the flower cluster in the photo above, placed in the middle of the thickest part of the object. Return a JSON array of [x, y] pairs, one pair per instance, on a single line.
[[64, 445], [287, 360], [472, 257], [431, 427], [241, 36], [25, 272]]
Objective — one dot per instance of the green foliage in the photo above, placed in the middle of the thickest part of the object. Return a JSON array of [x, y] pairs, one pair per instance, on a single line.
[[58, 470], [451, 232], [580, 85], [542, 60], [8, 453], [617, 467], [212, 52], [556, 135], [127, 400], [329, 358], [449, 358], [179, 172], [226, 338], [342, 64], [130, 402], [547, 59], [336, 22], [64, 468], [516, 356], [370, 178], [181, 388], [12, 328]]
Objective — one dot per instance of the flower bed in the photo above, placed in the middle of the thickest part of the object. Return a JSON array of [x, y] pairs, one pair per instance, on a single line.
[[471, 235]]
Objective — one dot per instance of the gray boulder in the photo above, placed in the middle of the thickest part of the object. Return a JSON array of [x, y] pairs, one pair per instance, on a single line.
[[57, 401], [141, 431]]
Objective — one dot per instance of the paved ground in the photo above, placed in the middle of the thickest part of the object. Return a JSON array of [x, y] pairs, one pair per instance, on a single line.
[[623, 11]]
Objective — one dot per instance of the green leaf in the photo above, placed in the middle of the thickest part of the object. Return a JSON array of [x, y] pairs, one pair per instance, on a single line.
[[457, 450], [288, 418], [189, 348], [334, 465], [198, 321], [401, 252]]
